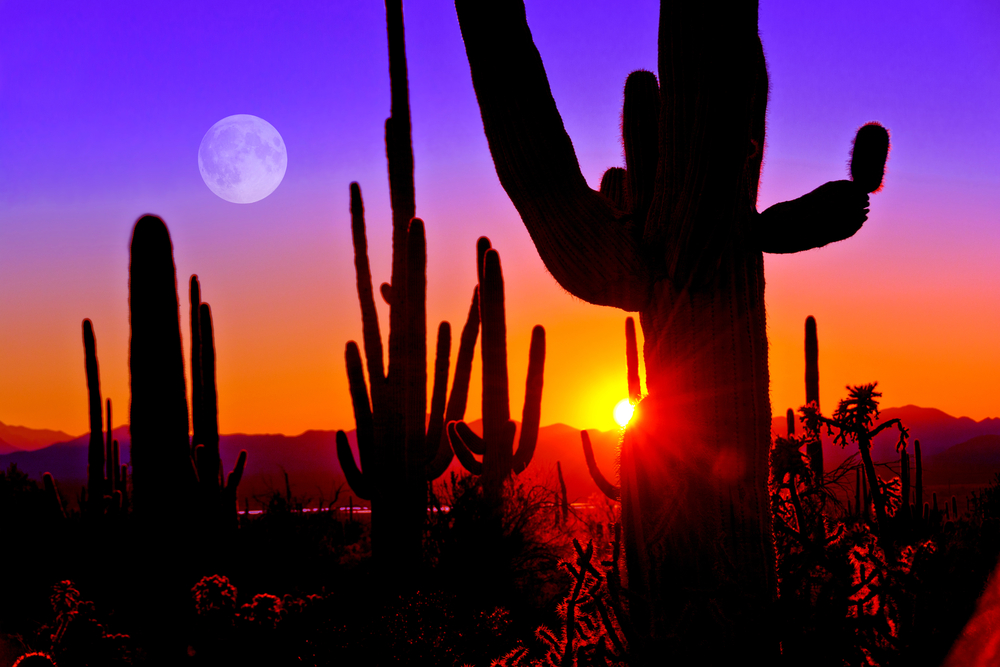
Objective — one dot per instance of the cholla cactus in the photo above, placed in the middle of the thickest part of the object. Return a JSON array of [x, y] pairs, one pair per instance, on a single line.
[[214, 595]]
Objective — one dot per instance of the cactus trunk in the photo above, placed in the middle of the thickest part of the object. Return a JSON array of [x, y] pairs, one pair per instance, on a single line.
[[700, 439], [95, 451], [814, 450], [162, 475]]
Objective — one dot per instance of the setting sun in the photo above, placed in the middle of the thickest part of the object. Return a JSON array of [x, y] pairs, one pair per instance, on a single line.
[[623, 412]]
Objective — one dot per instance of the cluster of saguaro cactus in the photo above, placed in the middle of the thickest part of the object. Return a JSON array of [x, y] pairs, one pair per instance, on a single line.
[[677, 237], [398, 450], [168, 485], [106, 489], [634, 396], [496, 445]]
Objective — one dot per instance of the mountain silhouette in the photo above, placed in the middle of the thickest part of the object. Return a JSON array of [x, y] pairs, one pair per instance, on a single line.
[[936, 430], [310, 459], [956, 450], [22, 438]]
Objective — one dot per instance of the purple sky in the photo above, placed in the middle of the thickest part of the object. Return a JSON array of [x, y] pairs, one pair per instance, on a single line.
[[103, 106]]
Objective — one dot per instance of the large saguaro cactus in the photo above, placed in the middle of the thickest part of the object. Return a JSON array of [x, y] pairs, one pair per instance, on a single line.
[[164, 478], [496, 446], [675, 236], [398, 450]]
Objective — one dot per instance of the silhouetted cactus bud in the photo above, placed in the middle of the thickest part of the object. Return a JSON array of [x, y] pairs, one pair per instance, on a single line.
[[954, 507], [790, 421], [613, 187], [640, 135], [868, 156]]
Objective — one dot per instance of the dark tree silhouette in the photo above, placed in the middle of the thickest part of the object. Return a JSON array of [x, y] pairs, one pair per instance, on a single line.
[[675, 236]]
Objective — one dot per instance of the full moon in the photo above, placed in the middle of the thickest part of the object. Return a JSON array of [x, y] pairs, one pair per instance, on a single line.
[[242, 159]]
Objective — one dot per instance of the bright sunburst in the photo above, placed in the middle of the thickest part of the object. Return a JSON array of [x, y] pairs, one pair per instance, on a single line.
[[623, 412]]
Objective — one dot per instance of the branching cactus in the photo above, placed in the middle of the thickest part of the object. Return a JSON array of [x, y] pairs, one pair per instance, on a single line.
[[399, 451], [496, 445], [676, 236]]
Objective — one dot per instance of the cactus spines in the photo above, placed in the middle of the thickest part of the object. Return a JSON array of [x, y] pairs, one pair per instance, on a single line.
[[95, 451], [499, 457], [158, 422], [868, 155]]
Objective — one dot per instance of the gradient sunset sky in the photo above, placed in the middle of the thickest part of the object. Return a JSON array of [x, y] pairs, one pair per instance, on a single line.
[[103, 106]]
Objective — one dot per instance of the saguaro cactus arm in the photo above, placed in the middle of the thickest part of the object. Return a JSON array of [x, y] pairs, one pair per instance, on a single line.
[[532, 413], [834, 211], [369, 316], [365, 427], [459, 389], [355, 479], [579, 234], [607, 488], [462, 451]]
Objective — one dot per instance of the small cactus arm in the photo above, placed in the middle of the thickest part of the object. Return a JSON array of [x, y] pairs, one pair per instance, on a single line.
[[634, 395], [607, 488], [676, 236]]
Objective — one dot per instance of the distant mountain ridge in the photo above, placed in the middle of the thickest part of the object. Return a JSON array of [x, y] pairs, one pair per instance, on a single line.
[[22, 438], [954, 449], [310, 460], [936, 430]]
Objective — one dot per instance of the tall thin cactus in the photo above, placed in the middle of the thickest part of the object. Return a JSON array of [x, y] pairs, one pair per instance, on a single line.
[[217, 497], [814, 449], [398, 450], [496, 445], [95, 450]]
